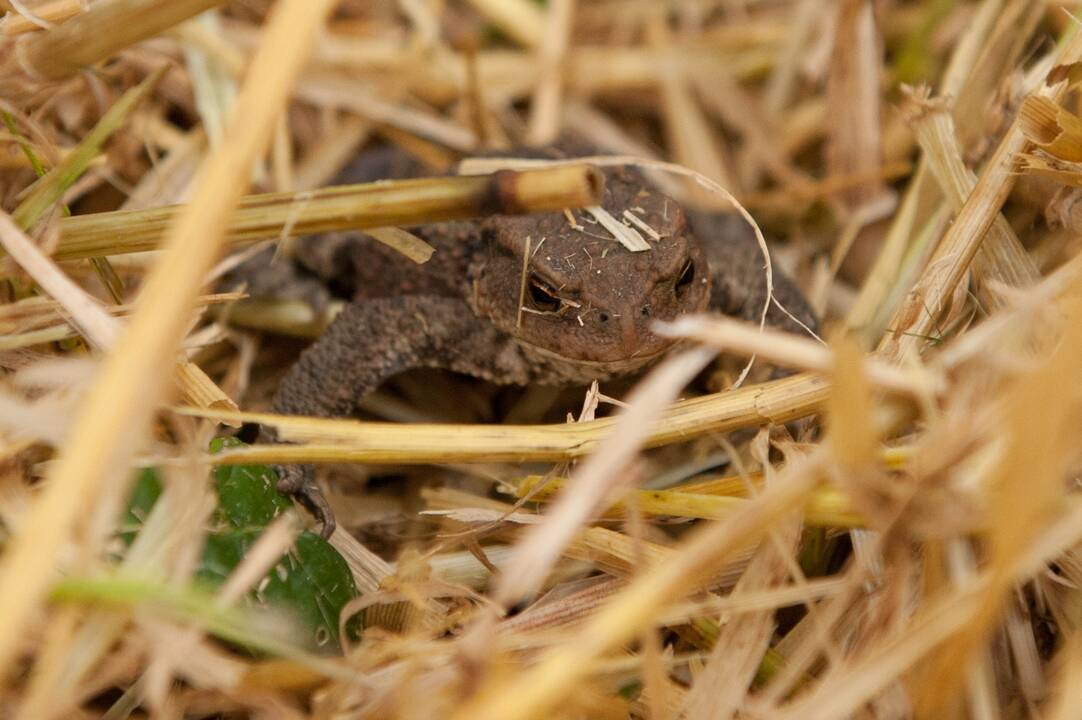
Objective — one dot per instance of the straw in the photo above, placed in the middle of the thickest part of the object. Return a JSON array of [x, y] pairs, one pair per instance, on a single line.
[[118, 409]]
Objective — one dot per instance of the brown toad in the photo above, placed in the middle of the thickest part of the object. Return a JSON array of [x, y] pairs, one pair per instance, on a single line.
[[584, 313]]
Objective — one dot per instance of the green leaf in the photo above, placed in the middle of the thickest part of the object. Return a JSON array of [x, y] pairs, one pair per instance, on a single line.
[[315, 581], [222, 553], [148, 487], [24, 143], [247, 494], [311, 580]]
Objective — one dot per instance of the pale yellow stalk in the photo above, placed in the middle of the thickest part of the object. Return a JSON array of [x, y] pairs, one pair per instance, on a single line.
[[116, 413], [104, 30], [340, 440]]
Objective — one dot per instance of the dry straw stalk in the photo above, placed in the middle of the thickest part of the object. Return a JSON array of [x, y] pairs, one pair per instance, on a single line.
[[102, 31], [916, 319], [952, 534], [373, 205], [827, 508], [56, 11], [327, 440], [116, 413], [537, 690]]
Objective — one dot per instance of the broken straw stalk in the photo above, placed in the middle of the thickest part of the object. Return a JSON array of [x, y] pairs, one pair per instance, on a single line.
[[827, 508], [42, 322], [915, 319], [102, 31], [340, 440], [370, 205]]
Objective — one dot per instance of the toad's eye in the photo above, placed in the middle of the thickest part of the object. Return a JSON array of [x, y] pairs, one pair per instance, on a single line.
[[685, 278], [543, 296]]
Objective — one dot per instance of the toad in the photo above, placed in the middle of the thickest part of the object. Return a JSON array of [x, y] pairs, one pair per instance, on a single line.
[[549, 298]]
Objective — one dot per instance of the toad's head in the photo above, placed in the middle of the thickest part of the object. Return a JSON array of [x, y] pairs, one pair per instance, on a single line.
[[585, 298]]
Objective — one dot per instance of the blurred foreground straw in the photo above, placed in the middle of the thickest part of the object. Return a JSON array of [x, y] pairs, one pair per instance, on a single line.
[[115, 415], [103, 30]]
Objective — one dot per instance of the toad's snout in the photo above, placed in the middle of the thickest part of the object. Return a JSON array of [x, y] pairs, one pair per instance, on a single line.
[[629, 336]]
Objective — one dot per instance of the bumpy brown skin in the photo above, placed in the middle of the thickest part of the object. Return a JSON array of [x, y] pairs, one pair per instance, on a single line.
[[738, 278], [588, 309]]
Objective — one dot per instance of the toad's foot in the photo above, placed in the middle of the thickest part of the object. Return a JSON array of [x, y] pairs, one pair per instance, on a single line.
[[300, 482]]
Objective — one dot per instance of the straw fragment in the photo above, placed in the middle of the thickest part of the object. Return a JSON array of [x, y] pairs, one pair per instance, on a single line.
[[343, 207], [1052, 128], [536, 690], [103, 30], [613, 552], [827, 507], [1026, 491], [87, 315], [404, 242], [54, 12], [849, 686], [48, 190], [790, 351], [359, 98], [971, 77], [853, 94], [596, 478], [629, 237], [519, 19], [545, 106], [726, 680], [1061, 172], [1002, 256]]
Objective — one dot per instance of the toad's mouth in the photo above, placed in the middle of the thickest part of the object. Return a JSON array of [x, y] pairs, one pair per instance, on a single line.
[[609, 367]]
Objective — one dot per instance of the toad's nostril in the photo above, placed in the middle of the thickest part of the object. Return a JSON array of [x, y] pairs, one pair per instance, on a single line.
[[646, 311], [603, 317]]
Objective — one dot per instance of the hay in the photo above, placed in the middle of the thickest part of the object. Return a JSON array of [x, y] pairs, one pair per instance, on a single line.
[[895, 533]]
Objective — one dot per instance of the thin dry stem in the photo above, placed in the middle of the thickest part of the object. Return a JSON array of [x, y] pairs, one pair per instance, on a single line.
[[964, 77], [596, 479], [827, 508], [1002, 257], [853, 93], [92, 320]]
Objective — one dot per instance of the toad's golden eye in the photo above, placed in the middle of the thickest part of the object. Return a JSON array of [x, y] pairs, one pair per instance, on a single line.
[[685, 278], [543, 296]]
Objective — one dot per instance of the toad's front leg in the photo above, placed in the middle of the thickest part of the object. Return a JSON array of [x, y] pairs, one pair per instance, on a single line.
[[371, 341]]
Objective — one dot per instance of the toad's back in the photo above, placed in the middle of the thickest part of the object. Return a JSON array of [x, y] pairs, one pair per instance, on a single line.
[[355, 265]]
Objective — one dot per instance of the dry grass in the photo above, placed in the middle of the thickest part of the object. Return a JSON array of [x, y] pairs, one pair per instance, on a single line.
[[899, 539]]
